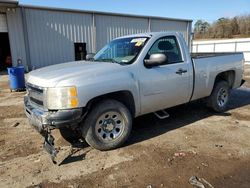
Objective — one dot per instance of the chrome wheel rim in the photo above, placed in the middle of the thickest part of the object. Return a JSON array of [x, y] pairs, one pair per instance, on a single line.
[[222, 97], [109, 126]]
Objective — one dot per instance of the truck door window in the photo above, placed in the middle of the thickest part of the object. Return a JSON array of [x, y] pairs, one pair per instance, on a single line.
[[168, 46]]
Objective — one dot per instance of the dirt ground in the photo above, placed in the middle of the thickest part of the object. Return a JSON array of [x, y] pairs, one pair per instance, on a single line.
[[160, 153]]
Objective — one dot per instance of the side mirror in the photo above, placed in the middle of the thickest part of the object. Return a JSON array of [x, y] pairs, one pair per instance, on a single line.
[[90, 56], [155, 60]]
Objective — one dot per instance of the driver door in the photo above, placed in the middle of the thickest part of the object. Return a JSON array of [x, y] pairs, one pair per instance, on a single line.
[[165, 85]]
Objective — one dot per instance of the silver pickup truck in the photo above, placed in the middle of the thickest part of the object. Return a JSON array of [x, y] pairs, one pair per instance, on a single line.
[[96, 100]]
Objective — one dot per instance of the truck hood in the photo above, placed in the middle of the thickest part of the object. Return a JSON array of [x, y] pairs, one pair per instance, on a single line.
[[51, 76]]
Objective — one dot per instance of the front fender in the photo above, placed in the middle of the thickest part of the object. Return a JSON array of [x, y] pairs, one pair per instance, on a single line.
[[109, 83]]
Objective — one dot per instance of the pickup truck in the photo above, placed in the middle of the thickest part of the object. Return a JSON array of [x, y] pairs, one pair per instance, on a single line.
[[97, 99]]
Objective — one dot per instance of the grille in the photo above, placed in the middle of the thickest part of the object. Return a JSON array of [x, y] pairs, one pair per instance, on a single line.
[[35, 94]]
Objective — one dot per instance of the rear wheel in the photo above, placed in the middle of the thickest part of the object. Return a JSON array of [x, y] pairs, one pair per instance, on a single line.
[[108, 125], [218, 100]]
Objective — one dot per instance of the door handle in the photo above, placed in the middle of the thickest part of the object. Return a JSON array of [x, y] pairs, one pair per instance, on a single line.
[[180, 71]]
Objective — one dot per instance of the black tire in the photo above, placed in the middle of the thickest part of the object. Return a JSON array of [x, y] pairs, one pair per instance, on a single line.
[[101, 121], [71, 136], [216, 103]]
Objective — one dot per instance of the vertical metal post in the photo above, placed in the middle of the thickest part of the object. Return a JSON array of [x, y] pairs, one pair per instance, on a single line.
[[189, 35], [26, 38], [149, 24], [235, 46], [192, 42], [93, 33]]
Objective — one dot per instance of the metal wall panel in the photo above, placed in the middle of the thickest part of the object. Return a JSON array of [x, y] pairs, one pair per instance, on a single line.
[[3, 23], [16, 36], [110, 27], [51, 35], [170, 25], [2, 9]]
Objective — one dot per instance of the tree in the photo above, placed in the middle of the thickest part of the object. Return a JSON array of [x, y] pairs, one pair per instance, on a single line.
[[235, 26], [238, 26], [201, 28], [197, 26]]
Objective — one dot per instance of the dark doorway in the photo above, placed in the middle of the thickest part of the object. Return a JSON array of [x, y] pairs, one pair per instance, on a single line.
[[80, 51], [5, 55]]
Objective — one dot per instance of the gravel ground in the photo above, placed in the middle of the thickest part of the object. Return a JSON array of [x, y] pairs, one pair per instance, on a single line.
[[160, 153]]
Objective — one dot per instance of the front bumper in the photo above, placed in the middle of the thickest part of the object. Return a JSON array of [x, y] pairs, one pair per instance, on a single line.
[[44, 121]]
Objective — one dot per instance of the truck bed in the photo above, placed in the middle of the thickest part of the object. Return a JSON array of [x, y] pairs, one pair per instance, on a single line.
[[206, 55], [208, 65]]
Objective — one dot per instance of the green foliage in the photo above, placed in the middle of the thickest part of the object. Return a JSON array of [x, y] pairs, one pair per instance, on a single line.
[[223, 28], [201, 26]]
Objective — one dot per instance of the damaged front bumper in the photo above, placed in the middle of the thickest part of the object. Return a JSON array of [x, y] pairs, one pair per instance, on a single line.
[[44, 121]]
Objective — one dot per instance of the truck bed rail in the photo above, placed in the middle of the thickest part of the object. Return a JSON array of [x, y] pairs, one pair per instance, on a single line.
[[205, 55]]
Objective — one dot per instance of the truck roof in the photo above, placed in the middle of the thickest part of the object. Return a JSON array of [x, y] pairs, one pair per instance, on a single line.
[[149, 34]]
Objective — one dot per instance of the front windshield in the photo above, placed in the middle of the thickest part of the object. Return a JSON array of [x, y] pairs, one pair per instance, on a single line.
[[122, 51]]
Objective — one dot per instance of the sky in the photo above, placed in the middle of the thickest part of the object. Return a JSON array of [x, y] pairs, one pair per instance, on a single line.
[[209, 10]]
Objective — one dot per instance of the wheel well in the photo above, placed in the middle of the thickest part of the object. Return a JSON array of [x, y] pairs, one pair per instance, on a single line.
[[228, 76], [125, 97]]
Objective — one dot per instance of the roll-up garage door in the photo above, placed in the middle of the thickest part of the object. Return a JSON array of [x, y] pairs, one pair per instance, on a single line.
[[3, 23]]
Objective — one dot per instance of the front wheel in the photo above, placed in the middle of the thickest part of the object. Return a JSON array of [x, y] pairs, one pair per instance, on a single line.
[[218, 100], [107, 126]]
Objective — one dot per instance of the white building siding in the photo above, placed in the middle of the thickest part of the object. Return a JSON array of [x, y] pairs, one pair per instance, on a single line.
[[46, 36], [52, 34], [170, 25], [110, 27], [16, 37], [3, 23]]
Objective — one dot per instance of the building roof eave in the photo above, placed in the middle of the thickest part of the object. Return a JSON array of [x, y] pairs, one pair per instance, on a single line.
[[101, 12], [9, 3]]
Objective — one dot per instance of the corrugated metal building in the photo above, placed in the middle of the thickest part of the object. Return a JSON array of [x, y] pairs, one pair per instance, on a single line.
[[42, 36]]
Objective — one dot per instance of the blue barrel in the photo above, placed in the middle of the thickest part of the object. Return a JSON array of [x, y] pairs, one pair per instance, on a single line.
[[16, 78]]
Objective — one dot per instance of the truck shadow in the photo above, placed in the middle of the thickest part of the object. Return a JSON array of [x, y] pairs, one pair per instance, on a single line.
[[150, 126], [73, 156]]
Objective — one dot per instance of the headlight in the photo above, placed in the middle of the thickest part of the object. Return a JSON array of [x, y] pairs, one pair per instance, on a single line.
[[62, 98]]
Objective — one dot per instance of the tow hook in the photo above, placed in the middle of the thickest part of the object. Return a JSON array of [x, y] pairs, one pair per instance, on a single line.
[[49, 146]]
